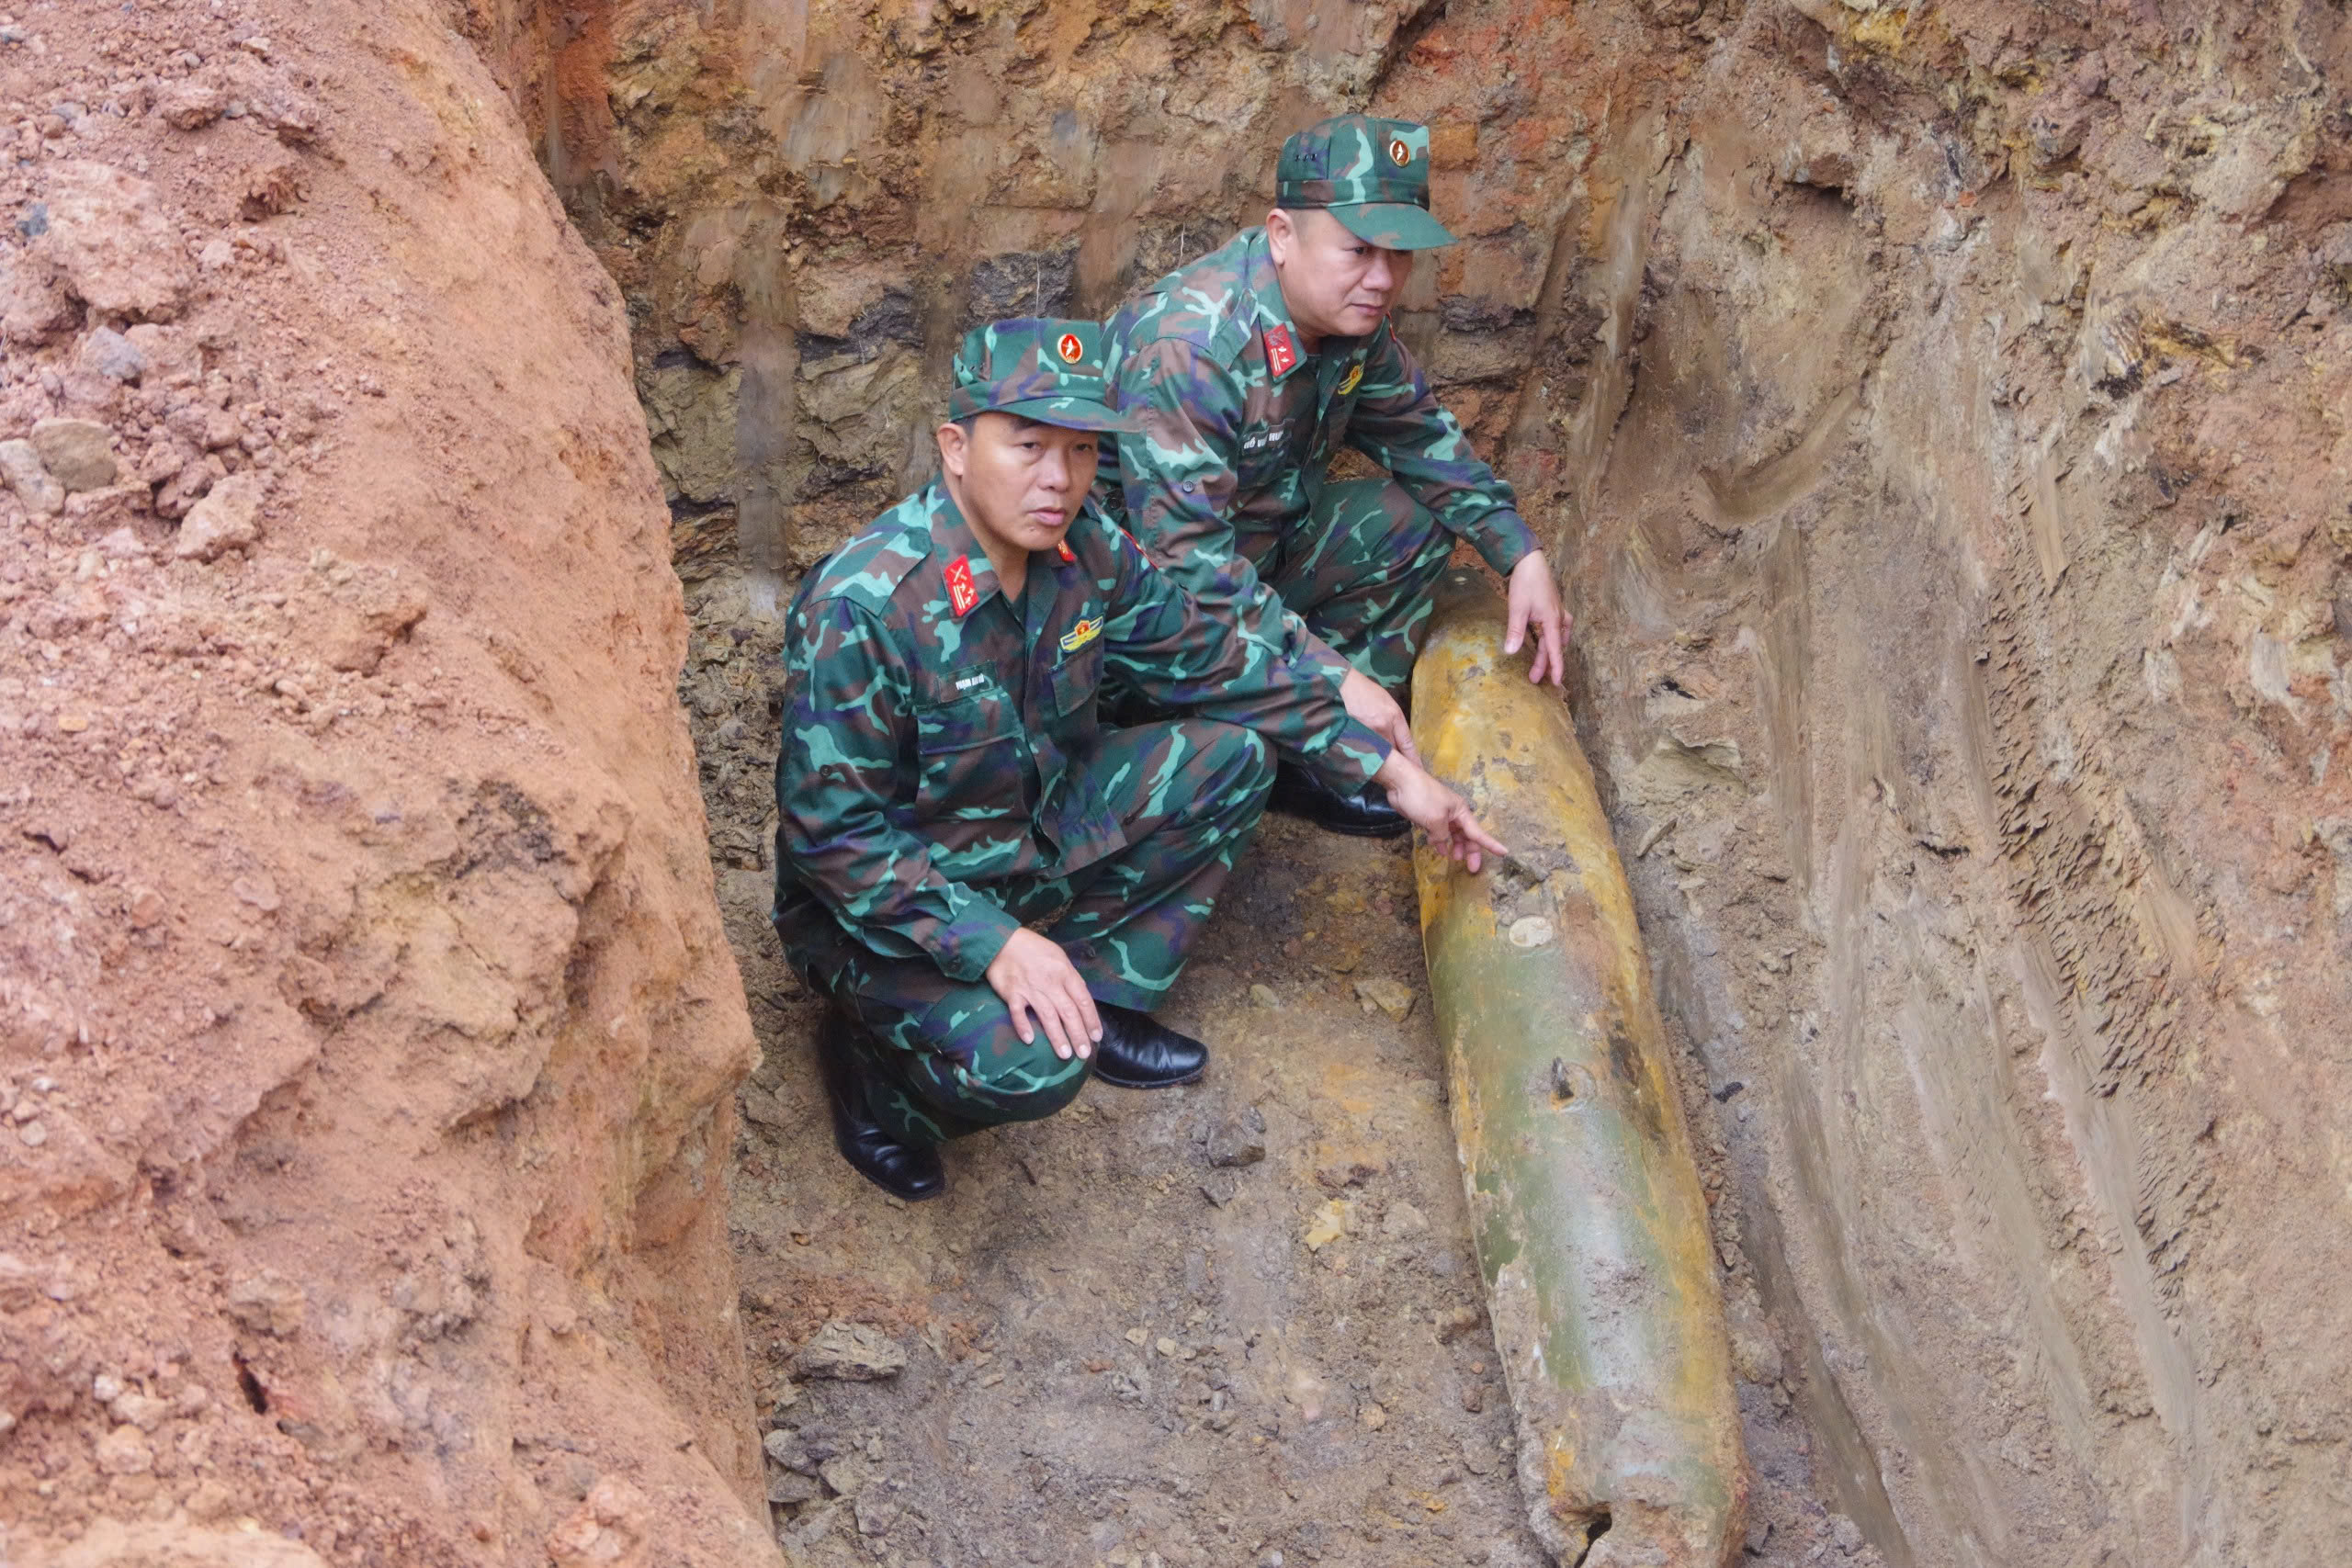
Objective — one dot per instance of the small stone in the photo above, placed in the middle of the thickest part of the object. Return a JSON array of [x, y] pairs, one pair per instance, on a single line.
[[1238, 1140], [1455, 1321], [1374, 1416], [216, 254], [874, 1512], [1403, 1219], [147, 907], [267, 1302], [110, 237], [77, 452], [144, 1411], [847, 1475], [1220, 1188], [854, 1352], [1263, 995], [72, 722], [1473, 1397], [1331, 1223], [21, 466], [190, 106], [1165, 1345], [789, 1488], [1846, 1534], [111, 354], [125, 1451], [107, 509], [1389, 995], [222, 521], [32, 1135], [784, 1447], [105, 1388]]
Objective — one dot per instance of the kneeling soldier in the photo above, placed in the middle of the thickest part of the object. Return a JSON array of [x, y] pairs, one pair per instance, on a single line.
[[1251, 368], [944, 778]]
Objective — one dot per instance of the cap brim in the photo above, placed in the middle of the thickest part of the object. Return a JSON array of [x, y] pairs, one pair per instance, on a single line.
[[1393, 225], [1074, 413]]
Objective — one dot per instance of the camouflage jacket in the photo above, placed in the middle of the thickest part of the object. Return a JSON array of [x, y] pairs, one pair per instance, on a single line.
[[1241, 421], [932, 728]]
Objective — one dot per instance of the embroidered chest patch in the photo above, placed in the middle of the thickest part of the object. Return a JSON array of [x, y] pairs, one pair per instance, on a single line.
[[1079, 636], [962, 594], [1353, 379]]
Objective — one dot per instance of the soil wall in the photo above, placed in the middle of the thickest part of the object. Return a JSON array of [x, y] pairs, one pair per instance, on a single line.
[[367, 1032], [1939, 417]]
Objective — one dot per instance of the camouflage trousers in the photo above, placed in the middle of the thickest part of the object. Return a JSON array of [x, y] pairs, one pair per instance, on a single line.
[[944, 1056], [1360, 570]]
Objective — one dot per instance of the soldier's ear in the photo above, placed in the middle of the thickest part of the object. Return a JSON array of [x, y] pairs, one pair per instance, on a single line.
[[953, 444], [1280, 232]]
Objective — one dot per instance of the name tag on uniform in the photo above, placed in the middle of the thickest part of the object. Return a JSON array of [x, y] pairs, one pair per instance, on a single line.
[[969, 682], [1079, 636]]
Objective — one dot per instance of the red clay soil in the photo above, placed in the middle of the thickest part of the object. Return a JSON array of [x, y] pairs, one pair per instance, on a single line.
[[367, 1032]]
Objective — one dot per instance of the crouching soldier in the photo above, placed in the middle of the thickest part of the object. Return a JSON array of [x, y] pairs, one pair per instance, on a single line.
[[944, 783], [1251, 369]]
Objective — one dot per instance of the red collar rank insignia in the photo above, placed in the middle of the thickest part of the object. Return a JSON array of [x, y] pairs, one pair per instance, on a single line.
[[1067, 553], [1281, 350], [961, 593]]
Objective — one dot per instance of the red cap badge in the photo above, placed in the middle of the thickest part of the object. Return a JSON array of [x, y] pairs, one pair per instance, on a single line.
[[961, 593], [1069, 348], [1282, 353]]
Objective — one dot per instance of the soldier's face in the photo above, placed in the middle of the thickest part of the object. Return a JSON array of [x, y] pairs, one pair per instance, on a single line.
[[1020, 483], [1335, 284]]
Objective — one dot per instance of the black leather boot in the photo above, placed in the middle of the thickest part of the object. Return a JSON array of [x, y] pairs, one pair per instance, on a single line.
[[1302, 793], [911, 1171], [1136, 1052]]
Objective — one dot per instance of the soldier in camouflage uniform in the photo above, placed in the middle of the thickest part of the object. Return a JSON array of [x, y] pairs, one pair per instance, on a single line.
[[943, 782], [1251, 368]]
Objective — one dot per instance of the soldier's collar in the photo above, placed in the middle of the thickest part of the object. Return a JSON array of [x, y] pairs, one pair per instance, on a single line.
[[952, 540], [1284, 353]]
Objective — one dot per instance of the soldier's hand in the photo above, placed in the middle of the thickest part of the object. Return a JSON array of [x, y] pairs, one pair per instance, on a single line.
[[1445, 816], [1036, 977], [1369, 704], [1536, 603]]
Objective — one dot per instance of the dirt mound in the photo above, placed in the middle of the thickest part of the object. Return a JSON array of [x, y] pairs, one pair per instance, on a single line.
[[367, 1032]]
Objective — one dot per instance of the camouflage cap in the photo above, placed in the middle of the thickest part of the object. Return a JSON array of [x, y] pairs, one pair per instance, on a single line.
[[1371, 175], [1039, 368]]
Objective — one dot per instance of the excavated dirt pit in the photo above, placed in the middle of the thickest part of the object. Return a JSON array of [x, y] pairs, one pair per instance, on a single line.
[[1939, 416]]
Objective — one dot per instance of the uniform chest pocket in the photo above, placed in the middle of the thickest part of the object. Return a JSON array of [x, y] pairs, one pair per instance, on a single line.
[[1265, 452], [1075, 679], [970, 743]]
